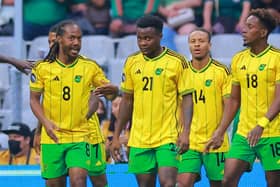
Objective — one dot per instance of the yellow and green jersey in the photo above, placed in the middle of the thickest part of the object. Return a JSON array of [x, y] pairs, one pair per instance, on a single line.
[[211, 84], [257, 76], [156, 85], [66, 91]]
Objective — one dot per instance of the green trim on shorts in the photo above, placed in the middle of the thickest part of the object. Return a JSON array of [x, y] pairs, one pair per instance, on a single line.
[[192, 161], [148, 160], [267, 151], [56, 159]]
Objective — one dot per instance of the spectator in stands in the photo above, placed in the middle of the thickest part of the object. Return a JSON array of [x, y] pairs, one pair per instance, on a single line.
[[175, 8], [228, 16], [273, 7], [39, 16], [19, 152], [98, 14], [111, 128], [101, 111], [126, 12], [7, 13]]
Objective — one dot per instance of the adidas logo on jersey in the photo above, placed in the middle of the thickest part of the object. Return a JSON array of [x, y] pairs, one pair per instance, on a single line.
[[138, 71], [56, 78], [243, 67]]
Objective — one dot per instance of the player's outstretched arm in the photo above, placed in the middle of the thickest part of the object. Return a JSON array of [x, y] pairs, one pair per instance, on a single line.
[[108, 90], [21, 65]]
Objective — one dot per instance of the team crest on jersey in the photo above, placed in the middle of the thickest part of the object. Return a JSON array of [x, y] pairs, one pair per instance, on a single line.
[[208, 82], [261, 67], [78, 78], [33, 77], [158, 71]]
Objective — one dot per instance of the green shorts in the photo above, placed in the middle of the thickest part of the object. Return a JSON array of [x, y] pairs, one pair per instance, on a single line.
[[148, 160], [98, 160], [56, 159], [267, 150], [192, 161]]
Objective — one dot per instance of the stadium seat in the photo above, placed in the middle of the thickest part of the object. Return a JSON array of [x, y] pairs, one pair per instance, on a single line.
[[181, 42], [224, 46], [115, 67], [6, 118], [7, 46], [27, 115], [126, 46], [98, 48], [274, 39], [39, 48], [4, 82]]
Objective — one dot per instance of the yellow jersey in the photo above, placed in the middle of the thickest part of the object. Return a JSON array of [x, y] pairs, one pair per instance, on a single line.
[[257, 76], [66, 90], [156, 85], [211, 85]]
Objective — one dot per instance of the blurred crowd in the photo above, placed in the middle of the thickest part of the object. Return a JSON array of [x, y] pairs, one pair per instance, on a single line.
[[117, 18]]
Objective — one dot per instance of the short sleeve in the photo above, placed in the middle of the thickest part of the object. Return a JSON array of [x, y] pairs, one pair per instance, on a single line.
[[127, 82], [184, 79], [36, 81]]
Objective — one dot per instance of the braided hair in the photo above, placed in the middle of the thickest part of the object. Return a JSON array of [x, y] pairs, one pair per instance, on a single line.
[[54, 50]]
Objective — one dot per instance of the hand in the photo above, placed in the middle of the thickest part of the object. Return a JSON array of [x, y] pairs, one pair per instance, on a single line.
[[254, 135], [107, 89], [23, 66], [239, 26], [215, 142], [183, 143], [115, 149], [50, 128], [37, 143]]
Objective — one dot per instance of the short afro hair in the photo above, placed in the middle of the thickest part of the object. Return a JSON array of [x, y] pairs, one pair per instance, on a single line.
[[266, 19], [150, 21]]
